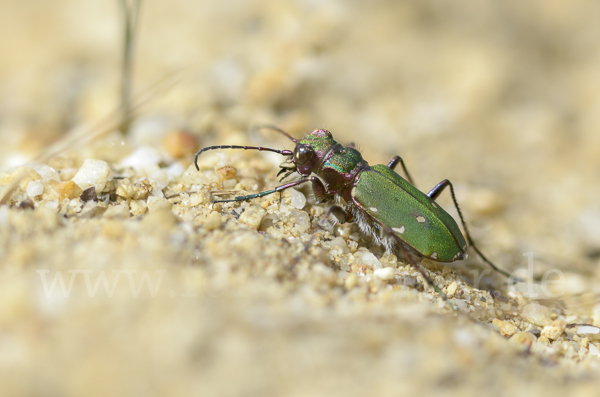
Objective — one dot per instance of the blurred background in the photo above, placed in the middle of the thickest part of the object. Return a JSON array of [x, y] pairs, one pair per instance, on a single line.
[[501, 97]]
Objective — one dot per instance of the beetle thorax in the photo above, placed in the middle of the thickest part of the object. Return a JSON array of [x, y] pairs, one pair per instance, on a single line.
[[341, 168], [336, 165]]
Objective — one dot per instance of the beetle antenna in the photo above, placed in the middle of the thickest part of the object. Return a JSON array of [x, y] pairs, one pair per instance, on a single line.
[[274, 128], [259, 148]]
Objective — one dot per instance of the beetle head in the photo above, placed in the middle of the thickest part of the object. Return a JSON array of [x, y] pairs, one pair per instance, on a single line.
[[311, 150]]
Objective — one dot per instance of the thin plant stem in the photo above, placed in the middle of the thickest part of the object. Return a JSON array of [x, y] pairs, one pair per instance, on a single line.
[[131, 13]]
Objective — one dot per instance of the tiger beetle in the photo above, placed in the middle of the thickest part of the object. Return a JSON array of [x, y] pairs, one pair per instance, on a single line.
[[384, 204]]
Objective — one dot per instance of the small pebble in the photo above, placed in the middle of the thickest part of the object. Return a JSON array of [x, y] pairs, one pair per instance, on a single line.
[[144, 160], [160, 219], [452, 289], [92, 173], [461, 304], [180, 143], [52, 205], [339, 243], [542, 339], [410, 281], [365, 257], [175, 170], [302, 220], [555, 329], [535, 332], [137, 207], [522, 338], [69, 189], [196, 199], [594, 351], [232, 184], [387, 260], [506, 328], [157, 203], [27, 204], [252, 216], [89, 194], [93, 209], [117, 211], [213, 221], [386, 273], [536, 314], [46, 172], [191, 176], [587, 330], [226, 171], [298, 199], [351, 281], [34, 189], [136, 191]]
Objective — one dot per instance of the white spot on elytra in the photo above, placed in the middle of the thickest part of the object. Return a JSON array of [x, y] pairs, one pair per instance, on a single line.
[[373, 209], [420, 219], [399, 229], [434, 255], [465, 247]]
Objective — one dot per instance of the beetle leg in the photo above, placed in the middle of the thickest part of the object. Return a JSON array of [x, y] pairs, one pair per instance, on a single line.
[[389, 233], [439, 188], [287, 173], [340, 214], [312, 179], [435, 193], [394, 162], [320, 190]]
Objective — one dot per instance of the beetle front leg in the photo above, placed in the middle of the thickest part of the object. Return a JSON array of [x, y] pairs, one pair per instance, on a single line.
[[394, 162], [320, 190], [316, 182]]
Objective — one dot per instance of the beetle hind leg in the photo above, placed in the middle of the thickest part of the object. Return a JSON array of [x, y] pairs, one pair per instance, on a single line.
[[435, 193], [412, 258]]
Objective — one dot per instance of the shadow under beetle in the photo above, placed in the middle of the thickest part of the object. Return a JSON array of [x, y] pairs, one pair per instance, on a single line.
[[382, 203]]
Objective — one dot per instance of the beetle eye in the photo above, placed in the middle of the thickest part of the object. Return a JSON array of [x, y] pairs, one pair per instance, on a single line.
[[303, 153]]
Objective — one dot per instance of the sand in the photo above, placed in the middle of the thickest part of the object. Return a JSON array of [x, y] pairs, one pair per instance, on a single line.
[[119, 276]]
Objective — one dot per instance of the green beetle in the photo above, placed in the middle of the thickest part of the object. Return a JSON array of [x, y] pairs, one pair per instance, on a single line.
[[383, 204]]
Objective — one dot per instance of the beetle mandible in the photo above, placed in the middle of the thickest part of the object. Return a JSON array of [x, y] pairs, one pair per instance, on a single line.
[[384, 204]]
